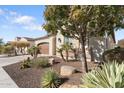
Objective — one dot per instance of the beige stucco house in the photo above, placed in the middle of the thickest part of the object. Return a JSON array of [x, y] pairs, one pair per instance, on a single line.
[[49, 44]]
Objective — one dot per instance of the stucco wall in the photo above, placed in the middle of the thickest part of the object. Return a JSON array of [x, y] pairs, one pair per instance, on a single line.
[[99, 45], [51, 42]]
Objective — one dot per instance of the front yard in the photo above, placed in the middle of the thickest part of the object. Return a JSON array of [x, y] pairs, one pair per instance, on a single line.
[[31, 77]]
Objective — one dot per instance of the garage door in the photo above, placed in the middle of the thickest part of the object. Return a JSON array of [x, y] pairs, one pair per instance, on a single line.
[[44, 48]]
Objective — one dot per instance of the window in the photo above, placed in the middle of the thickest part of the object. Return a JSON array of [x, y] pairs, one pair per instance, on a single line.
[[66, 40]]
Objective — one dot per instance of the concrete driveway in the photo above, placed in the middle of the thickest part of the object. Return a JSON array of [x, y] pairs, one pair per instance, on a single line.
[[5, 79]]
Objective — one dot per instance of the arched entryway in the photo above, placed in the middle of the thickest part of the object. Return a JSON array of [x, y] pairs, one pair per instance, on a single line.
[[44, 47]]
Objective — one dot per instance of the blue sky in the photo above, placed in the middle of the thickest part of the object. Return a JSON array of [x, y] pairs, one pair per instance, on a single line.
[[26, 21], [21, 21]]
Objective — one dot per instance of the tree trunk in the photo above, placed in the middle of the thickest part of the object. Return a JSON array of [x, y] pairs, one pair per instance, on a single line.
[[91, 53], [35, 54], [66, 55], [82, 41], [15, 52], [75, 53], [62, 56]]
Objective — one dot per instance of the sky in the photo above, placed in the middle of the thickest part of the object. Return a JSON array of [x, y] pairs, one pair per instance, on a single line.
[[23, 21], [26, 21]]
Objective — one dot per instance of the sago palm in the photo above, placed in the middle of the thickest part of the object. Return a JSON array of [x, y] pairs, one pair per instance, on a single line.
[[50, 79], [110, 76]]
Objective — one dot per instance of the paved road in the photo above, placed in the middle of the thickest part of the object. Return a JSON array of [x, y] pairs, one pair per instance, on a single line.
[[5, 79]]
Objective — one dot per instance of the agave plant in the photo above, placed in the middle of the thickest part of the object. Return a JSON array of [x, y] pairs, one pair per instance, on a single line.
[[51, 79], [110, 76]]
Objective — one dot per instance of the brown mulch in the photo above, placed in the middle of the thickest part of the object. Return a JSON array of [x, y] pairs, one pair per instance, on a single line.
[[31, 77]]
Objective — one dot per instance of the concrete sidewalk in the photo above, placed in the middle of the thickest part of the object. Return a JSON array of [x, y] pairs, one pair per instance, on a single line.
[[5, 79]]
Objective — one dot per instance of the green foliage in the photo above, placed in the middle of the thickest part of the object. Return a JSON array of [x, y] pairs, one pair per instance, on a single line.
[[116, 54], [8, 50], [41, 62], [110, 76], [20, 45], [1, 49], [66, 47], [33, 51], [82, 21], [26, 64], [50, 79], [60, 50], [1, 46]]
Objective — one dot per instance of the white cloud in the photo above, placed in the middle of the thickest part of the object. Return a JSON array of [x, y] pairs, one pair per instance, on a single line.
[[33, 27], [24, 20], [12, 13], [2, 11], [27, 22]]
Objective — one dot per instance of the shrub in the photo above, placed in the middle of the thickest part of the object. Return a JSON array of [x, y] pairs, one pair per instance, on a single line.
[[9, 50], [116, 54], [41, 62], [50, 79], [110, 76], [26, 63]]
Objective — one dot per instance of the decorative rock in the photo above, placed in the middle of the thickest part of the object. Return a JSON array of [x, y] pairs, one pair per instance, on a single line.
[[67, 70], [51, 61], [68, 86]]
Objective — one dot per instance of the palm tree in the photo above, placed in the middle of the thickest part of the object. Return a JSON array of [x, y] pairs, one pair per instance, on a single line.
[[33, 51], [60, 50], [66, 47]]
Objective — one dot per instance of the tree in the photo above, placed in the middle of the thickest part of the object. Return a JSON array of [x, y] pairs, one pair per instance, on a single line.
[[33, 51], [8, 49], [1, 46], [23, 45], [66, 47], [14, 44], [60, 50], [20, 45], [82, 22]]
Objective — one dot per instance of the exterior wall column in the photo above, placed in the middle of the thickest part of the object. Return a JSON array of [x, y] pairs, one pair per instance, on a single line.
[[52, 45]]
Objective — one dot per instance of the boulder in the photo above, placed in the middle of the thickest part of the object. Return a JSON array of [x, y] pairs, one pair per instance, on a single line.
[[67, 70], [68, 86]]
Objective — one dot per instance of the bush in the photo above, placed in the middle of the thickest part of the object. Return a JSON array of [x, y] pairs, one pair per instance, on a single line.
[[41, 62], [26, 63], [50, 80], [110, 76], [8, 50], [116, 54]]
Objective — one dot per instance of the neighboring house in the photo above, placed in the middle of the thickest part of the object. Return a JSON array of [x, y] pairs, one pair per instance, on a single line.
[[121, 43], [49, 44]]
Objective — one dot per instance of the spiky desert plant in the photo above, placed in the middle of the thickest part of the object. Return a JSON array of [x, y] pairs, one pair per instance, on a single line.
[[110, 76], [50, 79]]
